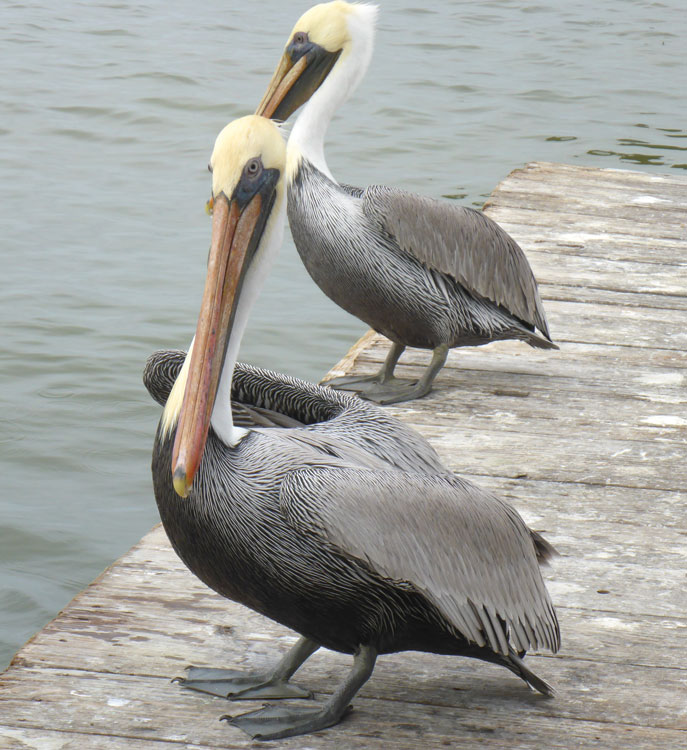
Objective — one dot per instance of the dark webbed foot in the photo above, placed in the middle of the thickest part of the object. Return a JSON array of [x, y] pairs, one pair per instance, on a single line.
[[268, 685], [383, 388], [360, 383], [236, 685], [394, 393], [276, 722], [387, 393]]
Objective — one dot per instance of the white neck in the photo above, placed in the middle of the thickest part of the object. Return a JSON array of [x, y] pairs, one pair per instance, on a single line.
[[309, 130], [221, 419]]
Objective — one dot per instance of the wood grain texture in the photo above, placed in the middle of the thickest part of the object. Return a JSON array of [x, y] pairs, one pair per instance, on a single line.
[[589, 443]]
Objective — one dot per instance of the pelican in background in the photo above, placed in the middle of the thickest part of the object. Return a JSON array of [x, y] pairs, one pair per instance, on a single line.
[[424, 273], [343, 526]]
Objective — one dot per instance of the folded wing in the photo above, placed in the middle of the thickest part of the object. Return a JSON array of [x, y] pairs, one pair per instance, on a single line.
[[464, 244], [468, 552]]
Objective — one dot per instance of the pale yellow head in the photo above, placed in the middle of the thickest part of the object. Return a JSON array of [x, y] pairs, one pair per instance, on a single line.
[[327, 25], [240, 141], [324, 59]]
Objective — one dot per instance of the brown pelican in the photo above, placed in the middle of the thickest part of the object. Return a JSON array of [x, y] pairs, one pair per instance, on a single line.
[[424, 273], [345, 526]]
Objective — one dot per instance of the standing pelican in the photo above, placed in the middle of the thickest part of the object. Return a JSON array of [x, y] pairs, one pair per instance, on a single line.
[[344, 527], [424, 273]]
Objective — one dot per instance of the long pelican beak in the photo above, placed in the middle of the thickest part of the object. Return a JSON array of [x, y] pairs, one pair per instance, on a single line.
[[236, 232], [301, 70]]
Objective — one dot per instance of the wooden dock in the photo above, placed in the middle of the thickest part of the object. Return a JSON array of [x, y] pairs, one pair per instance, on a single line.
[[589, 443]]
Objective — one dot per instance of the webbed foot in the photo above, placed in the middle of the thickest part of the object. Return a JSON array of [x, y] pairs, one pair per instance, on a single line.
[[345, 382], [361, 383], [394, 393], [271, 684], [365, 383], [236, 685], [276, 722]]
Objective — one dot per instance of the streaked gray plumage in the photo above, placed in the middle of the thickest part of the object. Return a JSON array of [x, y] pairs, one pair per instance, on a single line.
[[423, 273], [464, 244], [163, 367], [279, 398], [331, 517], [350, 531]]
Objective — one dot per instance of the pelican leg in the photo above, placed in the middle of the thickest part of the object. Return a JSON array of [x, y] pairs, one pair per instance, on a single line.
[[393, 394], [278, 721], [269, 685], [384, 376]]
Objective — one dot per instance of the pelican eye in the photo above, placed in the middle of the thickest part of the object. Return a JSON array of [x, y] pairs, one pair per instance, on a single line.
[[253, 168], [210, 168], [300, 37], [252, 180]]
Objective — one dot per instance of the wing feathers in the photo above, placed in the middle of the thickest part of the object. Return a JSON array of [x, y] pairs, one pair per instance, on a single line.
[[464, 549], [462, 243]]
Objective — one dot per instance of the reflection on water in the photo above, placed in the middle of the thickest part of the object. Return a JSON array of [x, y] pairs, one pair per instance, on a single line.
[[662, 158], [109, 115]]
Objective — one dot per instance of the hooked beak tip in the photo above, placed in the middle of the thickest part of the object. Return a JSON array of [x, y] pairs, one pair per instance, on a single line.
[[181, 486]]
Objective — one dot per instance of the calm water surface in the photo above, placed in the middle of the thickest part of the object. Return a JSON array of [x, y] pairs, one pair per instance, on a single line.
[[109, 113]]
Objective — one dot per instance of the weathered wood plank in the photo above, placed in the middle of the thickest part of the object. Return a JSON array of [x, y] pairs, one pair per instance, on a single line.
[[100, 707], [635, 419], [640, 182], [564, 233], [609, 186], [667, 216], [662, 203], [604, 461], [507, 411], [588, 691], [609, 324], [205, 630], [617, 275], [539, 499], [569, 234], [501, 402], [29, 738], [573, 293]]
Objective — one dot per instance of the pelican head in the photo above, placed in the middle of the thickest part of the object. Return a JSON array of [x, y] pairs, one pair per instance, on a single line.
[[247, 167], [325, 38]]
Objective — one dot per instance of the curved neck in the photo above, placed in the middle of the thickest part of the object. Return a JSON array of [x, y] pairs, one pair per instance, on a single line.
[[310, 128]]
